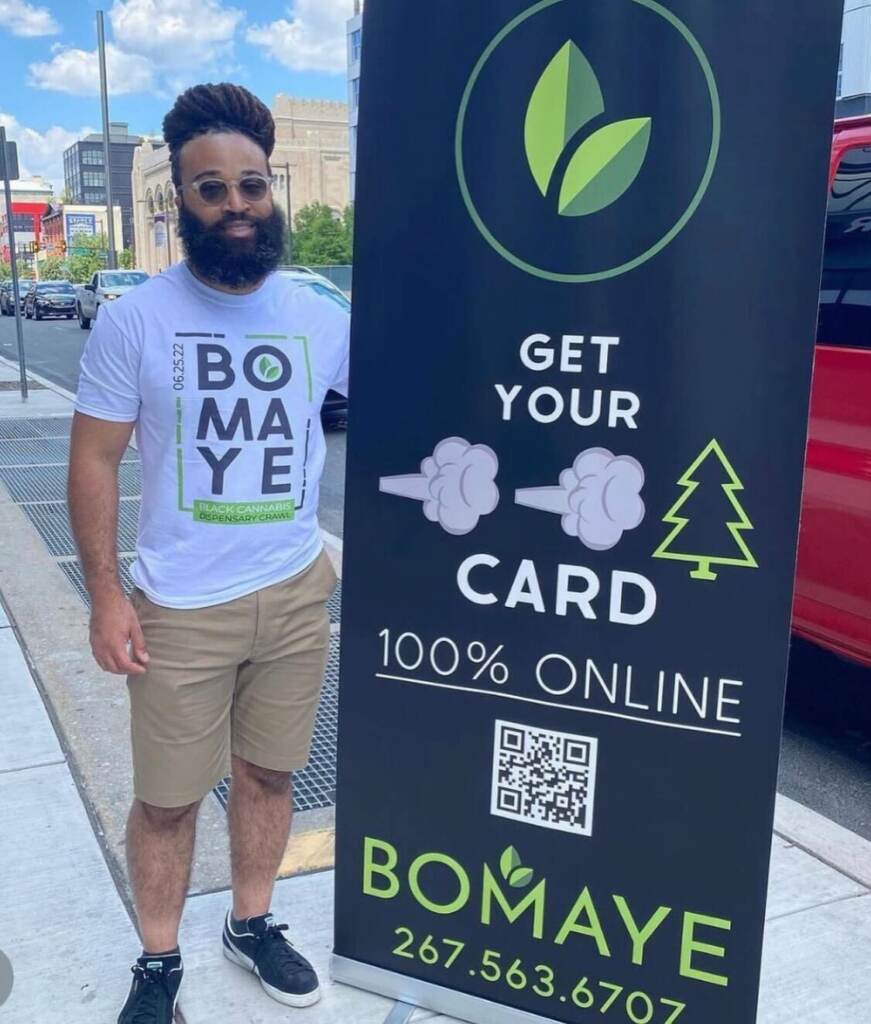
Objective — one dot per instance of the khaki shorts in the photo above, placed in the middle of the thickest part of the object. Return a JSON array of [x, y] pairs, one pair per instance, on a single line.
[[244, 676]]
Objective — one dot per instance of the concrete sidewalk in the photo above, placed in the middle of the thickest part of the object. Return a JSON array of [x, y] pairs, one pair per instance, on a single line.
[[65, 915]]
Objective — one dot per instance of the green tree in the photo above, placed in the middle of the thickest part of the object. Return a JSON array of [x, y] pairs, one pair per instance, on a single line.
[[319, 237], [53, 268], [704, 522], [348, 222], [86, 254], [125, 259], [5, 270]]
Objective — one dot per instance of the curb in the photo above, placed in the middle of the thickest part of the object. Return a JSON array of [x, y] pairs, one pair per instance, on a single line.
[[44, 381], [834, 845]]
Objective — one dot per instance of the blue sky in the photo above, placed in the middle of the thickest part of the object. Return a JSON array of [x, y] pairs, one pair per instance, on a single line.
[[49, 79]]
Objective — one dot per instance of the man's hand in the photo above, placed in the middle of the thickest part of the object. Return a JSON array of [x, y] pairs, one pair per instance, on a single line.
[[114, 626]]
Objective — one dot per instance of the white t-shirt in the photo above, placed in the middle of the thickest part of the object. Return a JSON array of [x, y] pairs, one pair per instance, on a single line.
[[226, 392]]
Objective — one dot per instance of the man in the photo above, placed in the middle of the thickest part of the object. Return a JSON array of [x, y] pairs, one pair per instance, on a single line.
[[222, 366]]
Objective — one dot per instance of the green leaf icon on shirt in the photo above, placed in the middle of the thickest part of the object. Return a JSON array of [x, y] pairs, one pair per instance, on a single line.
[[268, 370], [565, 99]]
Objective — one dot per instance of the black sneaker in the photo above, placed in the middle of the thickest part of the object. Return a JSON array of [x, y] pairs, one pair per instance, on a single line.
[[262, 949], [154, 992]]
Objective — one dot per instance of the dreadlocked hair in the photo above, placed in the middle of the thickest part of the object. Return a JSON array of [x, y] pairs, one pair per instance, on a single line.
[[204, 109]]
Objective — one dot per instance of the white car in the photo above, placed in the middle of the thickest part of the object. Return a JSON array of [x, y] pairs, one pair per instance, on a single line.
[[104, 286]]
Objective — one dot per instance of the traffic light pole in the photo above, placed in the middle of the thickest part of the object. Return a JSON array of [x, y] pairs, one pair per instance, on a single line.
[[10, 229]]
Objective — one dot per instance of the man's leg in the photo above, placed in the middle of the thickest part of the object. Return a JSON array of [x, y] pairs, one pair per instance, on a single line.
[[160, 846], [259, 814]]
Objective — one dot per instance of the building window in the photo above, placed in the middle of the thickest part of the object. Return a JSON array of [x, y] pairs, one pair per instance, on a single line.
[[356, 44], [355, 91], [94, 178], [23, 223], [92, 157], [97, 198], [841, 73]]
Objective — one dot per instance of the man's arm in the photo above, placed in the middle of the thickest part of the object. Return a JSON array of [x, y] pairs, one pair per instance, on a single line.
[[96, 449]]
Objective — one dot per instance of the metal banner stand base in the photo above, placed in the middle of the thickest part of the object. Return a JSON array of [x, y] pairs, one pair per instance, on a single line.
[[424, 994]]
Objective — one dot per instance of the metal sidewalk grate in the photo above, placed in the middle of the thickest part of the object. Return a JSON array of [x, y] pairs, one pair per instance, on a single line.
[[315, 785], [74, 574], [34, 451], [49, 483], [49, 426], [41, 451], [51, 519], [334, 605]]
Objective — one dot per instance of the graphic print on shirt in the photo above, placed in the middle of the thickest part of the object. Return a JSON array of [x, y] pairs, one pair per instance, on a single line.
[[240, 460]]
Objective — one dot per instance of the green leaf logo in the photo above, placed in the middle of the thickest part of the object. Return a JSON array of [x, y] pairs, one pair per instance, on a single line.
[[604, 167], [268, 370], [521, 877], [512, 869], [565, 99], [509, 861]]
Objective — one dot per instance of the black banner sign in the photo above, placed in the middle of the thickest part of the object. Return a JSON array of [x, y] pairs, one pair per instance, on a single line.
[[586, 283]]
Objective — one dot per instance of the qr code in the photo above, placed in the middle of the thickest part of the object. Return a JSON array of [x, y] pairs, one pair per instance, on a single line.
[[544, 777]]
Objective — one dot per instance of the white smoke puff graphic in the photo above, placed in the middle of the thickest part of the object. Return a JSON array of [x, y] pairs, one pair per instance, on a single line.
[[456, 484], [599, 497]]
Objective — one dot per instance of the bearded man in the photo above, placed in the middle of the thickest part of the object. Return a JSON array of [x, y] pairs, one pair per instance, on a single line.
[[221, 365]]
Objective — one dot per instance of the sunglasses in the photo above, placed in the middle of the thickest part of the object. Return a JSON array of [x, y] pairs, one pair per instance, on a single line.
[[214, 191]]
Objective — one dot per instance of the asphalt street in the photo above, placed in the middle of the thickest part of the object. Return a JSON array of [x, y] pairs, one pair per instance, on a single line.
[[826, 758]]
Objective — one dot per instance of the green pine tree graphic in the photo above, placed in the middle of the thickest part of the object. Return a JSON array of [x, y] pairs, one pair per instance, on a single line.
[[679, 515]]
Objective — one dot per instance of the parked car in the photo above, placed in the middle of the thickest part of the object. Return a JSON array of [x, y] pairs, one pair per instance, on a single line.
[[104, 286], [50, 298], [6, 302], [334, 412], [833, 586]]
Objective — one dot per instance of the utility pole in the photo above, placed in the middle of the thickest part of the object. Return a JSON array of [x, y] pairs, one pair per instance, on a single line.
[[10, 232], [289, 215], [112, 260]]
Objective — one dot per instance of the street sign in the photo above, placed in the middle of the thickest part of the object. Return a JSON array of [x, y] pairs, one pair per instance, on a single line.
[[80, 224], [9, 162], [580, 377]]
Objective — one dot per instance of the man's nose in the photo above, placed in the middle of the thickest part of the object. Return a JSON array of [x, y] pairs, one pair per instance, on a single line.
[[235, 202]]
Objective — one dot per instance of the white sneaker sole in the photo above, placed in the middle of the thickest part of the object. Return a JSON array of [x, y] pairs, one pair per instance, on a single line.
[[286, 998]]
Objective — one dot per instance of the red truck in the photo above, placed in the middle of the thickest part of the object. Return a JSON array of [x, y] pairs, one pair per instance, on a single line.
[[833, 588]]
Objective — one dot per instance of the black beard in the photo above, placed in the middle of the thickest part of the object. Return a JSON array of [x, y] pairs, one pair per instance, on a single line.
[[233, 262]]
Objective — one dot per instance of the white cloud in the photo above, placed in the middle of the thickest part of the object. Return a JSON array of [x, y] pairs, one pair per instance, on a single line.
[[23, 19], [78, 72], [175, 35], [311, 38], [42, 152]]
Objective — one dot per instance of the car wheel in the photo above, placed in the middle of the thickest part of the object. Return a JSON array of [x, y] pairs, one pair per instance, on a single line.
[[37, 315], [84, 322]]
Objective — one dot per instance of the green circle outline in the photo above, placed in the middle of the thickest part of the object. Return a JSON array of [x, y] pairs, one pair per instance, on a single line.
[[675, 230]]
